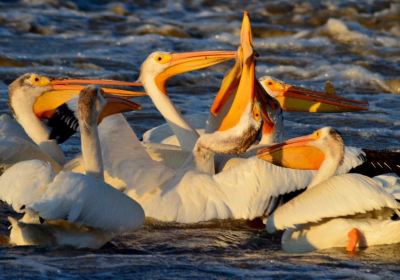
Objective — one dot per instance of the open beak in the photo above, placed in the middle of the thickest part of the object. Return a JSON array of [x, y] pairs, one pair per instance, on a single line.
[[228, 86], [63, 90], [117, 105], [299, 99], [296, 153], [241, 77], [189, 61]]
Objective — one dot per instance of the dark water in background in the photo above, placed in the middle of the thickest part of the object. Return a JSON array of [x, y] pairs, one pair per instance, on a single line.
[[355, 44]]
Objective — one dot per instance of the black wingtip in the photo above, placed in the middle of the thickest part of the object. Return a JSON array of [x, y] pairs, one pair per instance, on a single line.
[[378, 162], [63, 124]]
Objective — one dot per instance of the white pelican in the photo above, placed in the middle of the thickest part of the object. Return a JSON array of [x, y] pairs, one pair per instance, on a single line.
[[32, 96], [341, 211], [78, 210]]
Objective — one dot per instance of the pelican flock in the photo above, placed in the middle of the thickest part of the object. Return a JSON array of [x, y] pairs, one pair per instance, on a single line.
[[226, 164]]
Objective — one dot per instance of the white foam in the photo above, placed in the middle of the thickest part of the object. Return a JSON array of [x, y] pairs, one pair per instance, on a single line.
[[356, 34]]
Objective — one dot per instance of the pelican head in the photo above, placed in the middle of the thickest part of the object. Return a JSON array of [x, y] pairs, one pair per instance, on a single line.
[[239, 125], [273, 86], [306, 152], [90, 104], [24, 91], [160, 66], [34, 95], [298, 99]]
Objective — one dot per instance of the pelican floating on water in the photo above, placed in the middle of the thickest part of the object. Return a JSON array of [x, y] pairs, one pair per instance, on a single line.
[[349, 210], [78, 210]]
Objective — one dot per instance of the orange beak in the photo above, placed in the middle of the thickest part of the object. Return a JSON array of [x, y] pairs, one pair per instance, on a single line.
[[299, 99], [296, 153], [190, 61], [94, 82], [79, 84], [117, 105], [228, 86], [241, 78]]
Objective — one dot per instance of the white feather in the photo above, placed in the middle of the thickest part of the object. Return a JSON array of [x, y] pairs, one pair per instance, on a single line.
[[8, 126], [89, 201], [16, 146], [25, 183], [353, 157], [241, 192], [391, 183]]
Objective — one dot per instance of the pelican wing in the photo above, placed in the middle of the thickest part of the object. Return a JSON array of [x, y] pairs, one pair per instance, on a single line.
[[15, 144], [25, 182], [10, 127], [339, 196], [242, 192], [125, 158], [391, 183], [15, 149], [251, 184], [86, 200], [170, 155]]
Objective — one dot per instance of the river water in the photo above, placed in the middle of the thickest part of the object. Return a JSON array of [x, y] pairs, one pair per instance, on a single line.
[[354, 44]]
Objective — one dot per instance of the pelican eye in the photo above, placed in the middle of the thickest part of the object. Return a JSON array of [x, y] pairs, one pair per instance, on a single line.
[[270, 83], [256, 112], [36, 79], [162, 58]]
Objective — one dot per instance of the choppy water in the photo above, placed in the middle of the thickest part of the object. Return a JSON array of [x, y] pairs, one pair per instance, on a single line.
[[355, 44]]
